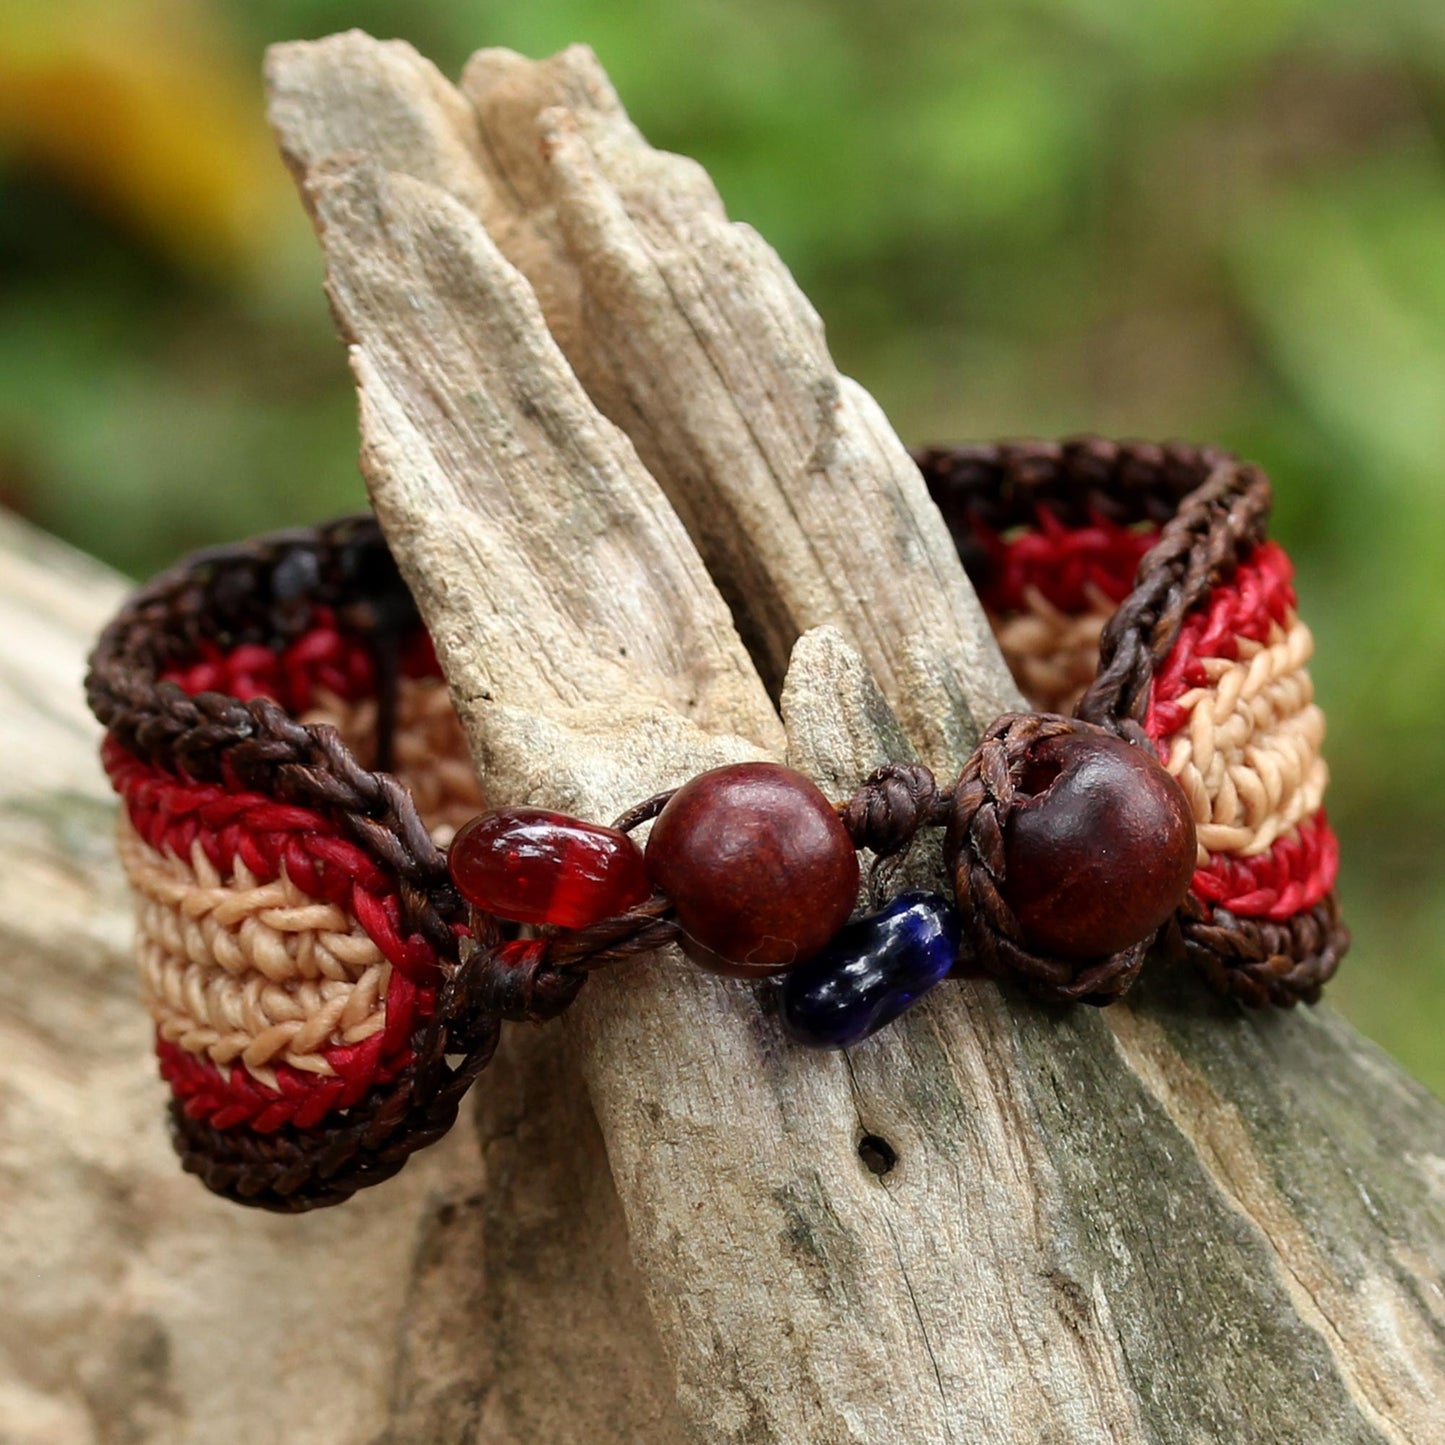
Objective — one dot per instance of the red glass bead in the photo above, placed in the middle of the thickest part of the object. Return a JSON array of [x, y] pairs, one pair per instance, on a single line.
[[1102, 852], [533, 866], [758, 866]]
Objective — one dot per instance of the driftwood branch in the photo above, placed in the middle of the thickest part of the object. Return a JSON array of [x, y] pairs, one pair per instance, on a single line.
[[689, 334], [601, 428], [1003, 1279]]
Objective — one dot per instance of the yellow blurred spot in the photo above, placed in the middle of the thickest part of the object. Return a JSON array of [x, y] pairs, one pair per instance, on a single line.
[[143, 107]]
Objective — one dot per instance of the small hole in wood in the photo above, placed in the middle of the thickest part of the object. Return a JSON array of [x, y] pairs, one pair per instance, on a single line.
[[878, 1154]]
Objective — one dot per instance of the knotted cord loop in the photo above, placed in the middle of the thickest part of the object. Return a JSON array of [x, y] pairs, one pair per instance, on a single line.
[[894, 803], [520, 984], [535, 979]]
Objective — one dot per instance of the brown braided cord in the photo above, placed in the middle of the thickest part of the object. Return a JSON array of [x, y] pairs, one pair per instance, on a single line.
[[1217, 526], [1262, 962], [1213, 511], [1004, 485]]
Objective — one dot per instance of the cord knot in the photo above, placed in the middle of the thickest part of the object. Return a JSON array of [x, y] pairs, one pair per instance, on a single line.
[[894, 803], [518, 981]]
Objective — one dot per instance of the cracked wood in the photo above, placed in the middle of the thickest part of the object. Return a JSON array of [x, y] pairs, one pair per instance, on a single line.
[[603, 433]]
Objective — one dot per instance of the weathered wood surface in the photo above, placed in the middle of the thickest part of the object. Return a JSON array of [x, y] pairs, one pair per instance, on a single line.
[[1163, 1222], [1089, 1233], [687, 332]]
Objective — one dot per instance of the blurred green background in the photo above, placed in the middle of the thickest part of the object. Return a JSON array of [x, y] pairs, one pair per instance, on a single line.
[[1200, 218]]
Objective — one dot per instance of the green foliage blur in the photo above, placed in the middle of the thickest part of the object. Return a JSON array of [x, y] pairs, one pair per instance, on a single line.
[[1212, 219]]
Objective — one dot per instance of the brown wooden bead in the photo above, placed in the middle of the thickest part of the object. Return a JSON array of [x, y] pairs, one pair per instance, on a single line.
[[758, 866], [1101, 852]]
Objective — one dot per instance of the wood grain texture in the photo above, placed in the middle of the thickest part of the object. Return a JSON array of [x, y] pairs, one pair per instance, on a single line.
[[687, 331], [1166, 1221], [1084, 1237]]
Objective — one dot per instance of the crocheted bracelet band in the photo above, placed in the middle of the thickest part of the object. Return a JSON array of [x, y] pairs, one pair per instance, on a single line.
[[325, 988]]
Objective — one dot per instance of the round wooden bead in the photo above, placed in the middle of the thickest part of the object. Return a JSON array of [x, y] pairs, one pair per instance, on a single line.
[[759, 868], [1101, 849], [530, 865]]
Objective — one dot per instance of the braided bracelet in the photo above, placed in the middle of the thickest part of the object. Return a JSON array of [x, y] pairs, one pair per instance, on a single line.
[[325, 987]]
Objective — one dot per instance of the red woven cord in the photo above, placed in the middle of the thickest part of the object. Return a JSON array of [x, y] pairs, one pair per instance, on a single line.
[[1063, 564], [1300, 868], [172, 815], [304, 1100], [1297, 871], [326, 658], [1259, 596]]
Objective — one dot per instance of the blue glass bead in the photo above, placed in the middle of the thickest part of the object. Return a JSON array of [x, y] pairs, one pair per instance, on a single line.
[[871, 971]]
